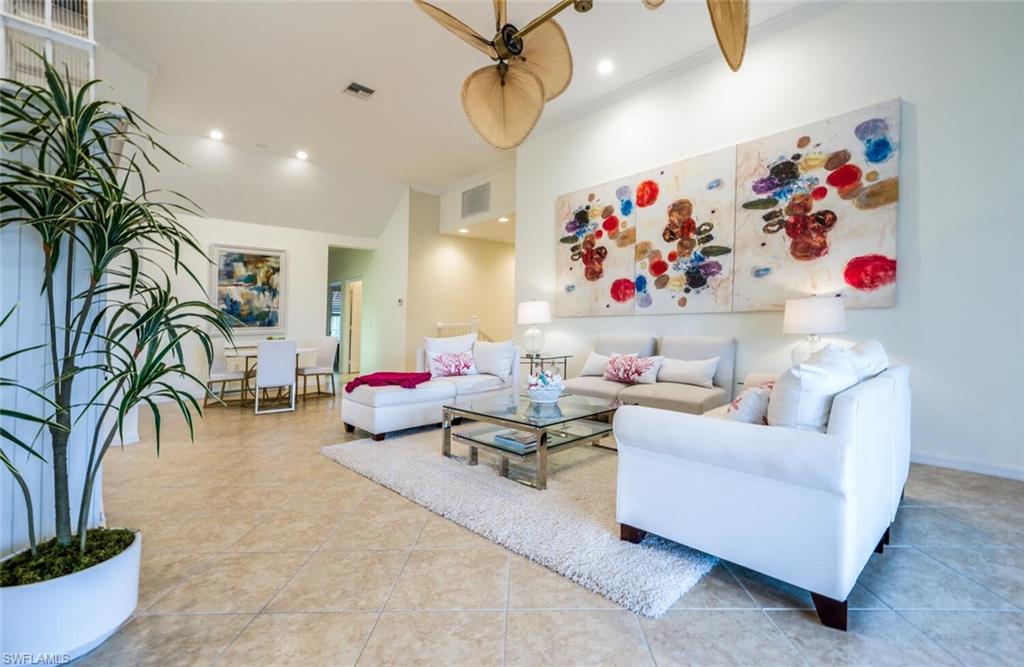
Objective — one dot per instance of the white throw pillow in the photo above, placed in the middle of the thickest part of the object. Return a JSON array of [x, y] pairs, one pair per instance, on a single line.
[[436, 346], [494, 358], [596, 364], [802, 397], [700, 372], [868, 359], [751, 406]]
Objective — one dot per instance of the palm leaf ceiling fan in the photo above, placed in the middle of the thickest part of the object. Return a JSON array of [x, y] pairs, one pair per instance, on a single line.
[[533, 65]]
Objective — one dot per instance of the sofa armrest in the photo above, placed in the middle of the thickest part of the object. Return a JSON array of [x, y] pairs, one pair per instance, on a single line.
[[803, 458]]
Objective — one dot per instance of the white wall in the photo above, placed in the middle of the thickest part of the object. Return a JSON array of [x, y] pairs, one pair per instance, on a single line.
[[385, 284], [453, 278], [958, 68], [21, 275], [305, 289]]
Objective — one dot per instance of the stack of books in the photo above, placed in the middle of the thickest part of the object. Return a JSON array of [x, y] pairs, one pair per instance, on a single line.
[[521, 442]]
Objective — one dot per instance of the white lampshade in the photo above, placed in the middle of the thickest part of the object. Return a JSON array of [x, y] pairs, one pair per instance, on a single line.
[[814, 315], [534, 312]]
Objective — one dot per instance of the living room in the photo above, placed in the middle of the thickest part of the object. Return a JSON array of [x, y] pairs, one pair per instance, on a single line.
[[656, 340]]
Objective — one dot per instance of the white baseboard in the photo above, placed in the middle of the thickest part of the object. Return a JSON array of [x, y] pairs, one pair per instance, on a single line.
[[1009, 472]]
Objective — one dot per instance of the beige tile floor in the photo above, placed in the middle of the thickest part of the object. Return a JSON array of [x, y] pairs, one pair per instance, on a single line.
[[259, 551]]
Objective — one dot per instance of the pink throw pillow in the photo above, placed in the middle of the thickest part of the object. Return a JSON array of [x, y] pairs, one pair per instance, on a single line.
[[751, 406], [451, 364], [630, 368]]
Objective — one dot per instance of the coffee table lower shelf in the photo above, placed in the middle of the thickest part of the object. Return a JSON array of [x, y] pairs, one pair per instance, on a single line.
[[550, 440]]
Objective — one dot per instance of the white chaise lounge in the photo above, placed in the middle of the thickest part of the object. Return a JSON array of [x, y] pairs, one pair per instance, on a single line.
[[383, 410]]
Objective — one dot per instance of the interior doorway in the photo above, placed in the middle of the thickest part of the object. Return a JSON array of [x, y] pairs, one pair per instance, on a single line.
[[353, 325]]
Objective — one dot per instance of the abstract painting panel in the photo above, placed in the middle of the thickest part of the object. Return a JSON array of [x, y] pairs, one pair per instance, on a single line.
[[249, 287], [595, 239], [684, 249], [816, 212]]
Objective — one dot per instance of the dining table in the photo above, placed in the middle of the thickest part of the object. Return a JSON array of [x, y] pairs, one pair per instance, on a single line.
[[248, 353]]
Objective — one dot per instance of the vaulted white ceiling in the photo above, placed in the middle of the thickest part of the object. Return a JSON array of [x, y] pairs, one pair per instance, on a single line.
[[272, 74]]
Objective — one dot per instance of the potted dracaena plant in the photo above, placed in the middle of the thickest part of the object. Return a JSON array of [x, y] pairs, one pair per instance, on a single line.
[[72, 175]]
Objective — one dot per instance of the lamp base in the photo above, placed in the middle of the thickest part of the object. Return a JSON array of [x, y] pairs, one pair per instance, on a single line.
[[805, 348], [533, 341]]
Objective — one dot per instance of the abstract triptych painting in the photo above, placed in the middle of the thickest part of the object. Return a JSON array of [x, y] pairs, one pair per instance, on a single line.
[[811, 210]]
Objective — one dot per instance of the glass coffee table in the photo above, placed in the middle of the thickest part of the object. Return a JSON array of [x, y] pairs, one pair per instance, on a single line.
[[547, 427]]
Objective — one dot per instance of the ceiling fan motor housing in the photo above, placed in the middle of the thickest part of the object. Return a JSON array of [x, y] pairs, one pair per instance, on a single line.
[[507, 43]]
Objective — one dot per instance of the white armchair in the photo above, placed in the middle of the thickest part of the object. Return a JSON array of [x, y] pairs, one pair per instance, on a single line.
[[805, 507]]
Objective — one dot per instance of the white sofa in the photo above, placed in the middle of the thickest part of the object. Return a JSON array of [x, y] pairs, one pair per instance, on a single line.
[[383, 410], [805, 507], [666, 395]]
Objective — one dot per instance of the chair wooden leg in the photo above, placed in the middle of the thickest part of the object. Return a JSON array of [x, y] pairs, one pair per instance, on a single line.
[[628, 533], [833, 613], [206, 396], [377, 437], [334, 388], [318, 392]]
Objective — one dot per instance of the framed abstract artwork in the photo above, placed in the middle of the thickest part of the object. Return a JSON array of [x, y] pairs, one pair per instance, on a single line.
[[808, 211], [594, 262], [816, 212], [248, 285]]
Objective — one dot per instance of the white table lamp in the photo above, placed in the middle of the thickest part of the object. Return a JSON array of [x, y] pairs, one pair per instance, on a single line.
[[534, 313], [813, 316]]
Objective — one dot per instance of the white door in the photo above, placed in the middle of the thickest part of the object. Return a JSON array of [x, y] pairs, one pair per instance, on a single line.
[[353, 323]]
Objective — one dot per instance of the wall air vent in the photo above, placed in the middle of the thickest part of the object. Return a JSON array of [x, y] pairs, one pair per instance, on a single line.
[[476, 200], [359, 90]]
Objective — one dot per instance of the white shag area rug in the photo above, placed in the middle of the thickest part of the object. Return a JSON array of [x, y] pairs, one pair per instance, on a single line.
[[569, 527]]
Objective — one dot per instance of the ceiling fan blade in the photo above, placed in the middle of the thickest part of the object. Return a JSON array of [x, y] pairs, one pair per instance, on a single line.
[[546, 54], [505, 114], [730, 19], [458, 28], [653, 4], [500, 15]]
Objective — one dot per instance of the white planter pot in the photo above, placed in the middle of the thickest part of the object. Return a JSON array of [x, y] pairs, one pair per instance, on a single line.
[[64, 618]]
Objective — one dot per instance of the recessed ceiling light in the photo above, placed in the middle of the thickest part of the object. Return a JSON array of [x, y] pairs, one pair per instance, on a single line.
[[463, 231], [502, 219], [302, 155], [605, 67], [216, 135]]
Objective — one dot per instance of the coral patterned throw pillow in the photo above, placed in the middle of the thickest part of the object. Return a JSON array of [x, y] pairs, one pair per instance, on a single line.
[[751, 406], [632, 369], [451, 364]]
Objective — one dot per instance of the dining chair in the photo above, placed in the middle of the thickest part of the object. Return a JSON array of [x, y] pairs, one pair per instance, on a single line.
[[275, 368], [326, 353], [221, 374]]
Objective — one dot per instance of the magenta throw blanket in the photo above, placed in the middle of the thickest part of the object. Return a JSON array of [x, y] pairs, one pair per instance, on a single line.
[[405, 380]]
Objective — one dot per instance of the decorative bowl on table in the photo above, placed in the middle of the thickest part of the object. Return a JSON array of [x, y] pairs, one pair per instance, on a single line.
[[544, 387]]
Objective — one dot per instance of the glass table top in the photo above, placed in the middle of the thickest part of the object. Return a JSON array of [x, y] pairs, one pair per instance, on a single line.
[[521, 410]]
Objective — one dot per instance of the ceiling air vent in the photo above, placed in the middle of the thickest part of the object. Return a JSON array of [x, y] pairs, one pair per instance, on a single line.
[[476, 200], [359, 90]]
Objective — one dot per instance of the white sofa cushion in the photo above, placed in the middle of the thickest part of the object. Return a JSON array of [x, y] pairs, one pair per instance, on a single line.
[[700, 372], [494, 358], [434, 390], [595, 365], [642, 346], [868, 359], [436, 346], [802, 396], [594, 386], [472, 384]]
